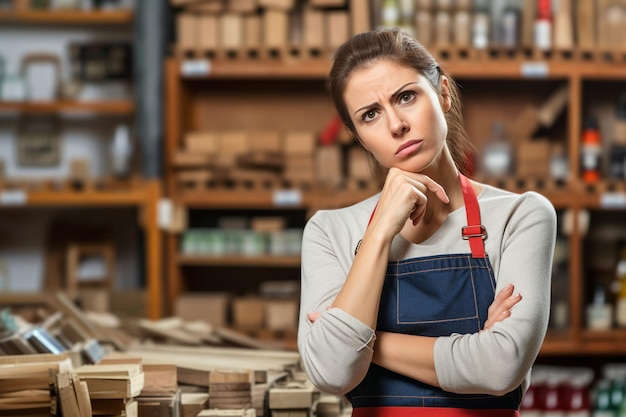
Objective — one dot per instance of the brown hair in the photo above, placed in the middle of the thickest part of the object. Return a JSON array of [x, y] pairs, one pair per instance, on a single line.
[[397, 46]]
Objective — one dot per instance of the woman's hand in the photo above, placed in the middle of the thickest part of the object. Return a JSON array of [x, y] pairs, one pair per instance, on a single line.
[[501, 307], [404, 197]]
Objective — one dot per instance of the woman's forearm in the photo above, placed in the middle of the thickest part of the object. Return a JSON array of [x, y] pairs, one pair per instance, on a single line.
[[360, 294], [408, 355]]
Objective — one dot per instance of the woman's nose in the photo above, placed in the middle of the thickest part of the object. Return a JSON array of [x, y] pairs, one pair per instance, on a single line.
[[398, 125]]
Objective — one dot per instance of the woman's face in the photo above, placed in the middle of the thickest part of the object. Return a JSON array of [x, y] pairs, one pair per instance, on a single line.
[[398, 115]]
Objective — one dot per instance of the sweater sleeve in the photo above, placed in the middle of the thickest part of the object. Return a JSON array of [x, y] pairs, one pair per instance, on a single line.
[[335, 350], [499, 360]]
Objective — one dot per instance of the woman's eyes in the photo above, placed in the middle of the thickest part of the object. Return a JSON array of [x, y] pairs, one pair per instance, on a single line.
[[406, 97], [369, 115]]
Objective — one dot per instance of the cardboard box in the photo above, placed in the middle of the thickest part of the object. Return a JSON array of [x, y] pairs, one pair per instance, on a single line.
[[300, 143], [211, 307], [314, 29], [231, 31], [232, 143], [266, 141], [358, 165], [337, 27], [328, 165], [252, 31], [281, 314], [359, 16], [208, 32], [275, 28], [188, 29], [201, 142], [248, 312]]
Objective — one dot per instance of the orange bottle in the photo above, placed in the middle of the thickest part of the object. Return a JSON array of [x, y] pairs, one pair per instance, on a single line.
[[591, 150]]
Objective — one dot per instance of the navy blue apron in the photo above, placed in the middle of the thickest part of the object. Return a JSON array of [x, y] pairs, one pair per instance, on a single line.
[[435, 296]]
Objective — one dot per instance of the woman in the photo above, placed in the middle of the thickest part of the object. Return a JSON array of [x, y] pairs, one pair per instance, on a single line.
[[399, 305]]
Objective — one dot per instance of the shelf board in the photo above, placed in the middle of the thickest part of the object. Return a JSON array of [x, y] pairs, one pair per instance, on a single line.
[[23, 197], [609, 342], [462, 69], [69, 17], [266, 69], [228, 198], [118, 107], [239, 260], [285, 198]]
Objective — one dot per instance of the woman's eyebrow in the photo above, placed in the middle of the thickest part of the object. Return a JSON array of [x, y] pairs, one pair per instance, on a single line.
[[394, 94]]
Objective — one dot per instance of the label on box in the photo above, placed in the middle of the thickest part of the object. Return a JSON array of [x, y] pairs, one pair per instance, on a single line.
[[535, 70], [287, 198], [195, 68], [613, 200], [13, 198]]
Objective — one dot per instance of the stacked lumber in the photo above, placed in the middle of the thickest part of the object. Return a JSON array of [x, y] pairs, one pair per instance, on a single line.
[[116, 384], [160, 395], [221, 372], [193, 403], [292, 399], [230, 389], [25, 383], [71, 395]]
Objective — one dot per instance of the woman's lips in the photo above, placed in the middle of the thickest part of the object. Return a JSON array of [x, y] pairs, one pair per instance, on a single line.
[[408, 147]]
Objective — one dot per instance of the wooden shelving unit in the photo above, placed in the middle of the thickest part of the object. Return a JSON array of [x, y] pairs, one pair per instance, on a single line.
[[68, 17], [194, 87], [118, 107], [142, 194]]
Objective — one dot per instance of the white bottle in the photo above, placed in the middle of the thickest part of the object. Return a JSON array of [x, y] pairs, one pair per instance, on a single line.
[[121, 150], [481, 25]]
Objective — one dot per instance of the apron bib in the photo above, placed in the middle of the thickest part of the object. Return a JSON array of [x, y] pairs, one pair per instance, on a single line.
[[434, 296]]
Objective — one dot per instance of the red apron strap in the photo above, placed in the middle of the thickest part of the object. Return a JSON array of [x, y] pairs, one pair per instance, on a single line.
[[475, 232]]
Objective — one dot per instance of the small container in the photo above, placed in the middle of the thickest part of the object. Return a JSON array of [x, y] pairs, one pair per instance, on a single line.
[[121, 151], [591, 150], [599, 312], [543, 25]]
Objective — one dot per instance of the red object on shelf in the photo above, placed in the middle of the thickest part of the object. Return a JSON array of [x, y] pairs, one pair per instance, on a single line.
[[544, 10], [330, 132], [590, 152]]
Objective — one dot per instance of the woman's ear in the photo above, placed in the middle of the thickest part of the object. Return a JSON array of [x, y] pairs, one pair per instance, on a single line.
[[446, 100]]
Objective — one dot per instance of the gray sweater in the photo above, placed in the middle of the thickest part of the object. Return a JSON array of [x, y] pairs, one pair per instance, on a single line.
[[336, 350]]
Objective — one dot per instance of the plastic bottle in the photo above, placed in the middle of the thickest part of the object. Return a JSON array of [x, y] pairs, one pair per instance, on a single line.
[[591, 150], [497, 158], [510, 26], [121, 150], [407, 14], [543, 25], [390, 14], [481, 25]]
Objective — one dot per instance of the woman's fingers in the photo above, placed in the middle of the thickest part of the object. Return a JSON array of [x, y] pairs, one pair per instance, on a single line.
[[430, 184], [500, 308], [313, 316]]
